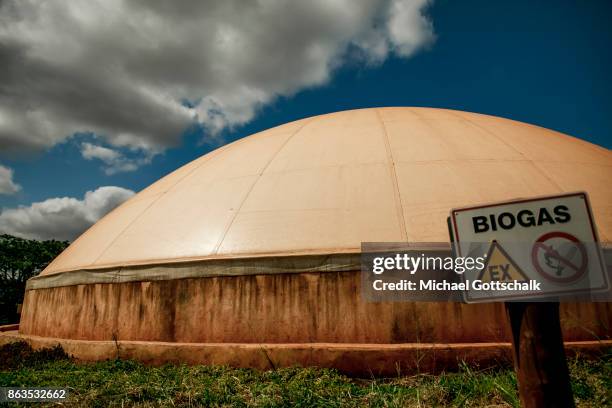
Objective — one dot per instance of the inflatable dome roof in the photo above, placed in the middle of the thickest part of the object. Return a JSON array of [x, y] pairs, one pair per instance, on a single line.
[[324, 184]]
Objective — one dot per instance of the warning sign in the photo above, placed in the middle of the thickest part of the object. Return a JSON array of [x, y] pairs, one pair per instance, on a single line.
[[499, 267], [551, 241], [560, 257]]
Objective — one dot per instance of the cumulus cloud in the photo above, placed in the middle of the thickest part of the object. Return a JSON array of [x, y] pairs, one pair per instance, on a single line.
[[62, 218], [7, 185], [114, 160], [91, 151], [139, 72]]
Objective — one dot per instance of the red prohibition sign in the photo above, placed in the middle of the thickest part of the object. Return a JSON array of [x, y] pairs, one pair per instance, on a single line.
[[540, 244]]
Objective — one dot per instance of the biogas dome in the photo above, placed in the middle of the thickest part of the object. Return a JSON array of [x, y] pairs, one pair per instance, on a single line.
[[250, 255]]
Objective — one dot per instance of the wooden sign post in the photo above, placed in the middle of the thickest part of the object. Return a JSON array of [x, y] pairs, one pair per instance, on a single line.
[[539, 356], [550, 246]]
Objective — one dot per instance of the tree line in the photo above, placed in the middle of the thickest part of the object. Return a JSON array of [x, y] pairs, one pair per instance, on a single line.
[[21, 259]]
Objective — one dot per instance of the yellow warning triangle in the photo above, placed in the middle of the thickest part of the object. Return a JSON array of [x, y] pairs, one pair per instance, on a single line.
[[500, 267]]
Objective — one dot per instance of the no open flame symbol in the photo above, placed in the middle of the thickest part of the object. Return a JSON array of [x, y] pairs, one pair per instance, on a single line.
[[559, 257]]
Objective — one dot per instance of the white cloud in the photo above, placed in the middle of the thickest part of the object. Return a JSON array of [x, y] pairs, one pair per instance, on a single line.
[[91, 151], [115, 161], [7, 185], [408, 31], [122, 69], [63, 218]]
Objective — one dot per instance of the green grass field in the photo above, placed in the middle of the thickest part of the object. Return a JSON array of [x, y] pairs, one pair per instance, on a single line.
[[128, 383]]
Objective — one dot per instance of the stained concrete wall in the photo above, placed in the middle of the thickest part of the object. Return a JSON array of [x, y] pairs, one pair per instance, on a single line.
[[363, 360], [280, 308]]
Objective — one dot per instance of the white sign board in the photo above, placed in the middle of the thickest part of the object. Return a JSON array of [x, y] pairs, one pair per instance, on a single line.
[[548, 243]]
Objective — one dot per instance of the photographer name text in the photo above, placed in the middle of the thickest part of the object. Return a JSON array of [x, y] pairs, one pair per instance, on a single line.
[[444, 285]]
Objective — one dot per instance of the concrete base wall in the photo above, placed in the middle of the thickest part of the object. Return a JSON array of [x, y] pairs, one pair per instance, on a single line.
[[362, 360], [281, 308]]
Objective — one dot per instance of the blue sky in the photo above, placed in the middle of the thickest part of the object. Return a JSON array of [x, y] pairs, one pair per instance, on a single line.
[[546, 63]]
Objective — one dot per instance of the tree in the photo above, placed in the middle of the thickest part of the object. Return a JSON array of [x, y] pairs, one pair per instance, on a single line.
[[21, 259]]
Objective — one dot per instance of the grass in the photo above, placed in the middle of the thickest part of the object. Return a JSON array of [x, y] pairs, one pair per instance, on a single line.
[[124, 383]]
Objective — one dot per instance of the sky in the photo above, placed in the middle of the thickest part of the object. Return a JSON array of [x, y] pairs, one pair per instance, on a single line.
[[99, 99]]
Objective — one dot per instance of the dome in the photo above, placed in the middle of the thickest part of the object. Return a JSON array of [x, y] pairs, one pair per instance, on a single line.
[[325, 184], [250, 255]]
